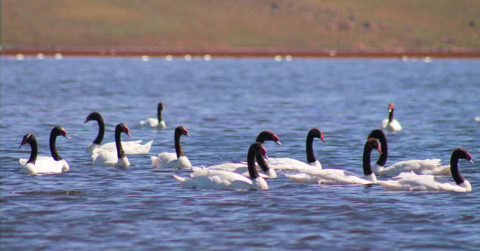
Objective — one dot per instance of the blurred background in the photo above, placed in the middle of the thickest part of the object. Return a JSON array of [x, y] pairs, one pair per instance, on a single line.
[[262, 25]]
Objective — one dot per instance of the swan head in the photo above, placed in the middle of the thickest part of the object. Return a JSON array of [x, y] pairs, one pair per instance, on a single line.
[[29, 137], [160, 106], [181, 130], [391, 106], [58, 130], [317, 133], [373, 143], [268, 135], [124, 128], [462, 153], [93, 116]]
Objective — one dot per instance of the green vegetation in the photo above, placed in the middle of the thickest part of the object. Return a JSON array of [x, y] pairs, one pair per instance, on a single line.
[[221, 24]]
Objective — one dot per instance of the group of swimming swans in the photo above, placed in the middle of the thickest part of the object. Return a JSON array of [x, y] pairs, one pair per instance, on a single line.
[[410, 175]]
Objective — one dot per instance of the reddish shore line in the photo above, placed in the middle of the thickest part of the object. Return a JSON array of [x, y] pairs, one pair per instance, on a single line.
[[243, 53]]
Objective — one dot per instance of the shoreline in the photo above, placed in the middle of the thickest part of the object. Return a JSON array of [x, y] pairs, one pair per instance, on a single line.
[[241, 53]]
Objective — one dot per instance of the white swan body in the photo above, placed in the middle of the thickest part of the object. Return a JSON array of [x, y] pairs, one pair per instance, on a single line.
[[341, 177], [113, 158], [43, 165], [155, 122], [170, 160], [426, 166], [173, 160], [394, 125], [390, 123], [242, 168], [205, 178], [413, 182], [130, 147], [288, 164], [332, 177]]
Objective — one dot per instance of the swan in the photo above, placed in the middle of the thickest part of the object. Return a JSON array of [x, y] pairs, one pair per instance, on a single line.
[[341, 177], [204, 178], [44, 164], [425, 166], [56, 159], [288, 164], [173, 160], [242, 167], [130, 147], [390, 124], [414, 182], [155, 122], [118, 158]]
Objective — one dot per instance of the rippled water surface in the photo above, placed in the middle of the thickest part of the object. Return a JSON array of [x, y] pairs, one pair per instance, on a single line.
[[225, 103]]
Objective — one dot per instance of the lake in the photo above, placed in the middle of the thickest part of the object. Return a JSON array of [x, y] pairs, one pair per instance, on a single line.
[[225, 103]]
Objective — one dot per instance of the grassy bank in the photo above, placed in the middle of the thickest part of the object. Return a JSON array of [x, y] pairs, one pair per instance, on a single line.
[[259, 24]]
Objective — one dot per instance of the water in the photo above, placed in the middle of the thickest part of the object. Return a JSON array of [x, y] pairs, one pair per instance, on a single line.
[[224, 104]]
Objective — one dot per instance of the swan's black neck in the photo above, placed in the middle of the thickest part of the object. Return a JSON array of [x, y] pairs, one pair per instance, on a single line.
[[101, 126], [159, 112], [253, 151], [367, 151], [309, 145], [261, 162], [390, 115], [32, 141], [378, 134], [178, 145], [118, 141], [457, 154], [53, 146]]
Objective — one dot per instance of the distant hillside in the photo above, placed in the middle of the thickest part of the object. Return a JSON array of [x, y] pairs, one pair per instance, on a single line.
[[289, 24]]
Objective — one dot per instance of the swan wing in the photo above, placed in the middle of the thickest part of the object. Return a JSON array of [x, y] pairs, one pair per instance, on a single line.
[[427, 166], [203, 178], [288, 164], [170, 160]]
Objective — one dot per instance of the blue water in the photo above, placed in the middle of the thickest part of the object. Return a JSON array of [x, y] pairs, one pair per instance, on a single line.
[[224, 104]]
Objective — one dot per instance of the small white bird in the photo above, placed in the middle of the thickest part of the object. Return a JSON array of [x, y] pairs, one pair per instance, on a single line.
[[390, 124], [177, 159], [155, 122], [414, 182], [204, 178], [44, 164]]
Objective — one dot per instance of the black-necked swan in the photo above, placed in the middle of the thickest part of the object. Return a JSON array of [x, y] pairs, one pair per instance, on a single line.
[[130, 147], [44, 164], [289, 164], [425, 166], [390, 123], [342, 177], [242, 167], [414, 182], [204, 178], [177, 159], [155, 122], [117, 158]]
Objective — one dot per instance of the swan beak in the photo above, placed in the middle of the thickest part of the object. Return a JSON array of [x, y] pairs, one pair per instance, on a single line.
[[471, 161], [66, 136], [278, 142], [265, 156], [324, 142], [129, 134], [188, 135]]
